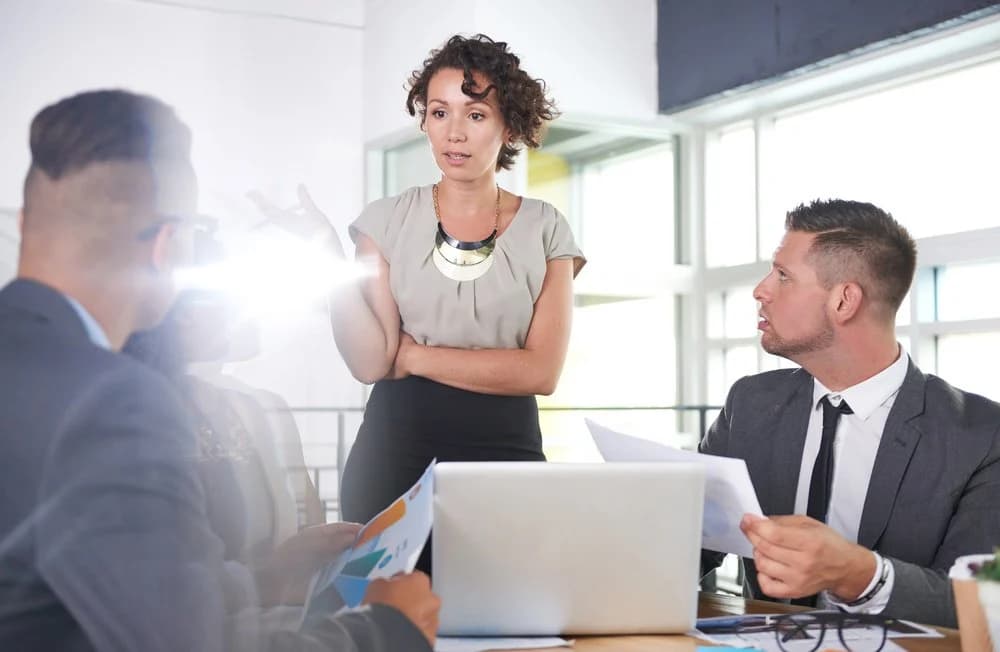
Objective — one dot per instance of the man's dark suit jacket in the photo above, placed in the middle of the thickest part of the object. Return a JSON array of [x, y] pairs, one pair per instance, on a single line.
[[104, 542], [935, 487]]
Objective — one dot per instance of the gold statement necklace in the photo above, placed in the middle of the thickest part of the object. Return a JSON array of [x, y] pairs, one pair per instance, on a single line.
[[462, 260]]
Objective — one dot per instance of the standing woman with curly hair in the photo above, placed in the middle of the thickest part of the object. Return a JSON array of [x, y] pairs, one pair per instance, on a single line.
[[468, 317]]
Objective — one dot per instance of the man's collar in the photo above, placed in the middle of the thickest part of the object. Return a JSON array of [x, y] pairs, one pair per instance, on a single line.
[[94, 330], [865, 397]]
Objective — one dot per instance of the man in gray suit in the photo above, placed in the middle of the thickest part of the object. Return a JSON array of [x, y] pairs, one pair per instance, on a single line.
[[875, 476], [104, 539]]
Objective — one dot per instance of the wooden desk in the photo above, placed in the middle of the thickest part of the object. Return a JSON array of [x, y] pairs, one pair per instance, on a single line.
[[713, 604]]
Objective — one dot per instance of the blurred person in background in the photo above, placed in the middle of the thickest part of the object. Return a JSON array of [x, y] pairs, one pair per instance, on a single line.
[[104, 539], [242, 461]]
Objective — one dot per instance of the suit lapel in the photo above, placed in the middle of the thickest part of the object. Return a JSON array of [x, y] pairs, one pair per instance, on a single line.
[[774, 458], [787, 436], [899, 440]]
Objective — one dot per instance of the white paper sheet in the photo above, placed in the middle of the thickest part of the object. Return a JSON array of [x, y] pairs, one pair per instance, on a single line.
[[729, 494], [450, 644]]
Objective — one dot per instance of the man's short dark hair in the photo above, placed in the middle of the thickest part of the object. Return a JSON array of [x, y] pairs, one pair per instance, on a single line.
[[104, 126], [857, 241]]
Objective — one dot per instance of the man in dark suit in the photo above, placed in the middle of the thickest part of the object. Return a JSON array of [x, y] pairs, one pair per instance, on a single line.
[[875, 476], [104, 540]]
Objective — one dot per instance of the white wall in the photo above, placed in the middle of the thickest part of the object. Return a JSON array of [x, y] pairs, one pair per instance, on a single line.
[[598, 56], [399, 34], [271, 101]]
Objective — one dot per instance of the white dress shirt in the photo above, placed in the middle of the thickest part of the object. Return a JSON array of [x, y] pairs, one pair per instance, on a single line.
[[854, 449], [94, 330]]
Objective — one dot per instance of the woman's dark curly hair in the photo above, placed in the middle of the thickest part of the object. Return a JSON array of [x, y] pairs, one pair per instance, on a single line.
[[523, 103]]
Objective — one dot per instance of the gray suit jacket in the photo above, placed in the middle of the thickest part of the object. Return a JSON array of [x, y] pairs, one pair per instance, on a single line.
[[934, 493], [104, 540]]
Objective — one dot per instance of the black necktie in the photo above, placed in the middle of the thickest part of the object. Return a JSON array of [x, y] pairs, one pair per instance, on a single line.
[[822, 475]]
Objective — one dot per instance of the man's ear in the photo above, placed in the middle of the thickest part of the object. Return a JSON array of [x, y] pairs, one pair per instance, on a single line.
[[846, 300], [162, 251], [20, 221]]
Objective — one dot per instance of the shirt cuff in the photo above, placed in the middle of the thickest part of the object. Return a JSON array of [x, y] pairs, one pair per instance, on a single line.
[[877, 602]]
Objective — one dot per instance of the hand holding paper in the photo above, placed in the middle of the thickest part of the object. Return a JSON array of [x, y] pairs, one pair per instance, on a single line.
[[283, 577], [729, 493], [388, 544]]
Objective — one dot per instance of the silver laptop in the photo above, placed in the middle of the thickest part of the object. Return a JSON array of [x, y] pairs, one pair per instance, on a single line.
[[529, 548]]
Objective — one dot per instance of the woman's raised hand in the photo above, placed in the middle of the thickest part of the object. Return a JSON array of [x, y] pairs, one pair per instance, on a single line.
[[304, 219]]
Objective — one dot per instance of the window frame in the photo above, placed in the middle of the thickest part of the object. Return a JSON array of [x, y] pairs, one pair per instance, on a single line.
[[939, 54]]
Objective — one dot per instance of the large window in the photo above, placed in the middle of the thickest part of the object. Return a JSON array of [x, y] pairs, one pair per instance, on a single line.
[[618, 193], [730, 198], [925, 151]]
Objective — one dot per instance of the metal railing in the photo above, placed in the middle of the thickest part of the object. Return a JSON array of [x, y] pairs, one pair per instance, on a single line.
[[330, 501], [726, 579]]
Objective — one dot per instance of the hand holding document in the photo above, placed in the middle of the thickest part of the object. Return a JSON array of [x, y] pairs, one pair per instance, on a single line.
[[390, 543], [729, 494]]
